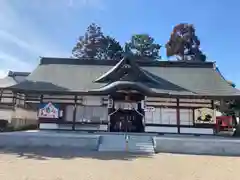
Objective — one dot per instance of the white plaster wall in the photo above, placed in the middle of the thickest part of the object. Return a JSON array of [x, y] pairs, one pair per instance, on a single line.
[[125, 105], [160, 129], [7, 100], [48, 126], [8, 97], [169, 116], [197, 131], [161, 116], [22, 117], [6, 114], [91, 113], [186, 117], [92, 100], [21, 113], [69, 113], [91, 110]]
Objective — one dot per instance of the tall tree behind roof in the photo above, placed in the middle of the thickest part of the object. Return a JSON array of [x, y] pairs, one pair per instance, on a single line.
[[94, 45], [112, 50], [143, 46], [184, 43]]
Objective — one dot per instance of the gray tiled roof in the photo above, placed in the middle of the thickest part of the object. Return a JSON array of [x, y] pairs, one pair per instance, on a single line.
[[203, 81], [13, 78], [176, 78]]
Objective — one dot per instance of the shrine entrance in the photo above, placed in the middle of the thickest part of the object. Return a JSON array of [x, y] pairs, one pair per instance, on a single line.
[[126, 121], [127, 115]]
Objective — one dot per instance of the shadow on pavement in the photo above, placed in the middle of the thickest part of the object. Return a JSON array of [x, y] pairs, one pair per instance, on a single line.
[[44, 153]]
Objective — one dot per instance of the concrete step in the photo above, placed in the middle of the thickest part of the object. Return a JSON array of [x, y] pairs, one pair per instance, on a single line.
[[143, 144], [138, 144]]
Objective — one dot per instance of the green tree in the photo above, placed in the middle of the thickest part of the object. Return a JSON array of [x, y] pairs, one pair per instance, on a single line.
[[112, 50], [142, 45], [184, 43], [94, 45]]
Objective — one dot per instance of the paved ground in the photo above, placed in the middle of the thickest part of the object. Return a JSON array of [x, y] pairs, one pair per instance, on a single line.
[[70, 164]]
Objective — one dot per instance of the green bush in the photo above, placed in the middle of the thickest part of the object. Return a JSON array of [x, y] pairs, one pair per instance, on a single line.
[[27, 127], [22, 128]]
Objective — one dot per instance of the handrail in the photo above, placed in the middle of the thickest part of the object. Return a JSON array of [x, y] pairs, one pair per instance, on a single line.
[[126, 137]]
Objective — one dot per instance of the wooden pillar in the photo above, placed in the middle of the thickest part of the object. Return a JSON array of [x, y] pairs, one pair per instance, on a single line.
[[110, 107], [1, 94], [41, 99], [14, 96], [193, 116], [212, 104], [74, 113], [178, 116]]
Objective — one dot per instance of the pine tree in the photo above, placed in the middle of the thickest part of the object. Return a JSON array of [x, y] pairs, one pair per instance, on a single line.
[[184, 43], [112, 49], [143, 46], [94, 45]]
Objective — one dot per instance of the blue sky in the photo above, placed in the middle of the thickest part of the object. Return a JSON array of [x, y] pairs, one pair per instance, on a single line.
[[33, 28]]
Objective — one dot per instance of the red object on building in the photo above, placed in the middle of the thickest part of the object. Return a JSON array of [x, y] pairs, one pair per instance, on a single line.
[[224, 123]]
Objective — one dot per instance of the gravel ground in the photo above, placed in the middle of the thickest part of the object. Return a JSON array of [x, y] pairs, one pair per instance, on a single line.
[[70, 164]]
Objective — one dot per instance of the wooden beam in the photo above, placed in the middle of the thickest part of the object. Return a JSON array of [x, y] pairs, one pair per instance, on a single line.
[[193, 116], [212, 104], [178, 116], [14, 99], [41, 98], [1, 93], [74, 113]]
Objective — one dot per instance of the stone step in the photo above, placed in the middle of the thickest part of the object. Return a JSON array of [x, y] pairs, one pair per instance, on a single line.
[[111, 150], [141, 150], [138, 144]]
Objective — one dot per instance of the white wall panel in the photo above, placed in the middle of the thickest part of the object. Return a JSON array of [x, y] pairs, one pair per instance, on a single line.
[[48, 126], [160, 129], [157, 116], [92, 100], [91, 113], [7, 100], [161, 116], [197, 130], [149, 116], [169, 116], [69, 113], [186, 117], [6, 114]]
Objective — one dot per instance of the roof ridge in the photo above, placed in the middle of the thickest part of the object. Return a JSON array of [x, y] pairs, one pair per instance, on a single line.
[[17, 73], [145, 63]]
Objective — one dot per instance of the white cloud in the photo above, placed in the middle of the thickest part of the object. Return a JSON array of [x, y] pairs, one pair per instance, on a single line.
[[18, 34], [13, 63], [21, 40], [2, 73], [23, 32]]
